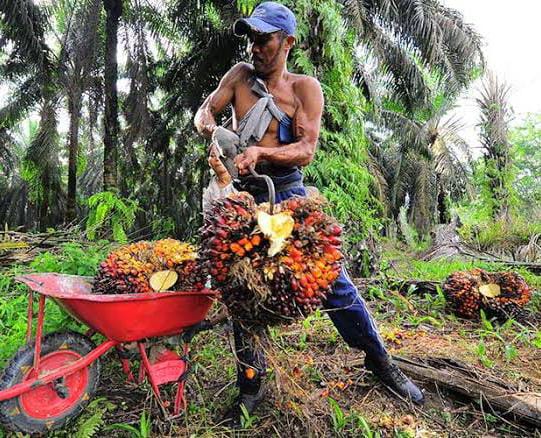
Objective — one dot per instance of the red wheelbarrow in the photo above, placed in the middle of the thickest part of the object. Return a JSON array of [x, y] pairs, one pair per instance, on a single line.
[[52, 378]]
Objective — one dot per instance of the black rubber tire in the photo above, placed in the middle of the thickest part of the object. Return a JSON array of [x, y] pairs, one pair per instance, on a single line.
[[12, 416]]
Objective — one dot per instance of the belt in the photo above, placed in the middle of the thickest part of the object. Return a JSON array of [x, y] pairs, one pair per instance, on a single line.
[[256, 186]]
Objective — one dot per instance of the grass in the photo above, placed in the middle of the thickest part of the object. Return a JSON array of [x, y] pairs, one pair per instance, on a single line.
[[317, 384]]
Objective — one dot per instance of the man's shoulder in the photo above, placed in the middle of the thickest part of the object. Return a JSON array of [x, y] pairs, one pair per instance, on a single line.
[[238, 73], [242, 69], [305, 85], [304, 81]]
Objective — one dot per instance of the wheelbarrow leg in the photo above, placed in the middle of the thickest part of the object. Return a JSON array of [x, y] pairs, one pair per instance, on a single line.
[[147, 369], [166, 367], [180, 399], [29, 316], [125, 361], [39, 331]]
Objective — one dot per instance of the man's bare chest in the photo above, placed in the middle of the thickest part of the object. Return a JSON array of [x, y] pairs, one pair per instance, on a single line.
[[284, 98]]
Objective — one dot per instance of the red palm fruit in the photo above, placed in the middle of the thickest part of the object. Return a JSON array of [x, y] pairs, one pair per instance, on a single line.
[[335, 230], [295, 253], [333, 240], [241, 211], [221, 233], [292, 204]]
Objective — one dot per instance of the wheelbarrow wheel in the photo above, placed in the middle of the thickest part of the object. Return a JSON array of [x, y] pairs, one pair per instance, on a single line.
[[50, 406]]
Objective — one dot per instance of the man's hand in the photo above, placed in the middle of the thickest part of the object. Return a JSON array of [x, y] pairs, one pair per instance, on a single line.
[[249, 157]]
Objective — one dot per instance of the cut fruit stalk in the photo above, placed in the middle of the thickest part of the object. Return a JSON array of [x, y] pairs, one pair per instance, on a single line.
[[162, 280], [491, 290]]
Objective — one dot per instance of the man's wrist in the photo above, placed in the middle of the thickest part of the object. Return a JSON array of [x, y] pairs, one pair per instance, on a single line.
[[262, 153]]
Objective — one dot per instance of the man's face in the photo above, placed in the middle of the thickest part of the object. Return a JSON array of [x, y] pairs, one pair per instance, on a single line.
[[268, 51]]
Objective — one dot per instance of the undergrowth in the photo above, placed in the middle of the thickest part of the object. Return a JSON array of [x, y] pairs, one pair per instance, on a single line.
[[73, 258], [317, 384]]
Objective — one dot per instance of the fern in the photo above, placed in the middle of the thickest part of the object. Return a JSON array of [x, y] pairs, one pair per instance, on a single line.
[[110, 215], [90, 423], [90, 426]]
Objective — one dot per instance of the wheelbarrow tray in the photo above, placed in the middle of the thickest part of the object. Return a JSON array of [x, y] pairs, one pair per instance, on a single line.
[[125, 317]]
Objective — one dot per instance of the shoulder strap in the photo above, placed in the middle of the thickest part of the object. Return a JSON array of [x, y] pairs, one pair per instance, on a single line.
[[253, 126]]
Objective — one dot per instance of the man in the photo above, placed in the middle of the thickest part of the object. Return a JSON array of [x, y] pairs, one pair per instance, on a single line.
[[277, 116]]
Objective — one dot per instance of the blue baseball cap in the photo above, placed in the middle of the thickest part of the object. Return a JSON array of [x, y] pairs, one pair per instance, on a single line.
[[267, 17]]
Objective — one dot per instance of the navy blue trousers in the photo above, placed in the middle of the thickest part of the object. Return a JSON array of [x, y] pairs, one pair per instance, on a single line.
[[346, 308]]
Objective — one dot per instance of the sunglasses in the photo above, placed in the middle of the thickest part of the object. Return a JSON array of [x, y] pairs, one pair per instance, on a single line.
[[261, 39]]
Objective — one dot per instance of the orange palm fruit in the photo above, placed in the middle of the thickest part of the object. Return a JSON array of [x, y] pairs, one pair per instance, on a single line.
[[243, 241], [250, 373], [235, 247]]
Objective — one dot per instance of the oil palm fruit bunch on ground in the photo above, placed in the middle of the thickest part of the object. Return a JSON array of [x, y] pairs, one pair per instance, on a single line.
[[144, 267], [500, 294], [271, 268]]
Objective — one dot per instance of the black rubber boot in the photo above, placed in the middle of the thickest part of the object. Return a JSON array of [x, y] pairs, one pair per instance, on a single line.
[[392, 376], [233, 416]]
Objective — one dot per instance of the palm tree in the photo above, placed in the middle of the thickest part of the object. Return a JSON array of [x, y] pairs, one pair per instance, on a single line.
[[78, 73], [419, 157], [69, 71], [113, 10], [495, 118]]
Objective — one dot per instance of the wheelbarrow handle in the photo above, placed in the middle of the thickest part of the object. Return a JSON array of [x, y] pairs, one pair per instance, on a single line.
[[270, 187], [202, 326]]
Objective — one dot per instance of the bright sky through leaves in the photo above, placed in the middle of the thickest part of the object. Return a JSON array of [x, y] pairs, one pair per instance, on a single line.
[[511, 34]]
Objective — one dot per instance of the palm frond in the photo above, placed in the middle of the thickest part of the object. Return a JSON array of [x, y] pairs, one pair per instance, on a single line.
[[23, 23], [398, 61], [23, 98], [408, 36]]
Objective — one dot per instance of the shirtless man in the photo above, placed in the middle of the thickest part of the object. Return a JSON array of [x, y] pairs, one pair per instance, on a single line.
[[288, 143]]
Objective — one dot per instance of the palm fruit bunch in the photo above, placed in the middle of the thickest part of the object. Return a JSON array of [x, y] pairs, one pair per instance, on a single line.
[[144, 267], [500, 294], [270, 268]]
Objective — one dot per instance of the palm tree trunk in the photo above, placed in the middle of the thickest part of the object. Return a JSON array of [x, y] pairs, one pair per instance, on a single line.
[[44, 204], [113, 9], [74, 105]]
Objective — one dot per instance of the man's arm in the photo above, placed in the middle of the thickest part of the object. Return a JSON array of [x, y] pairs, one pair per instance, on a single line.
[[307, 124], [205, 121]]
